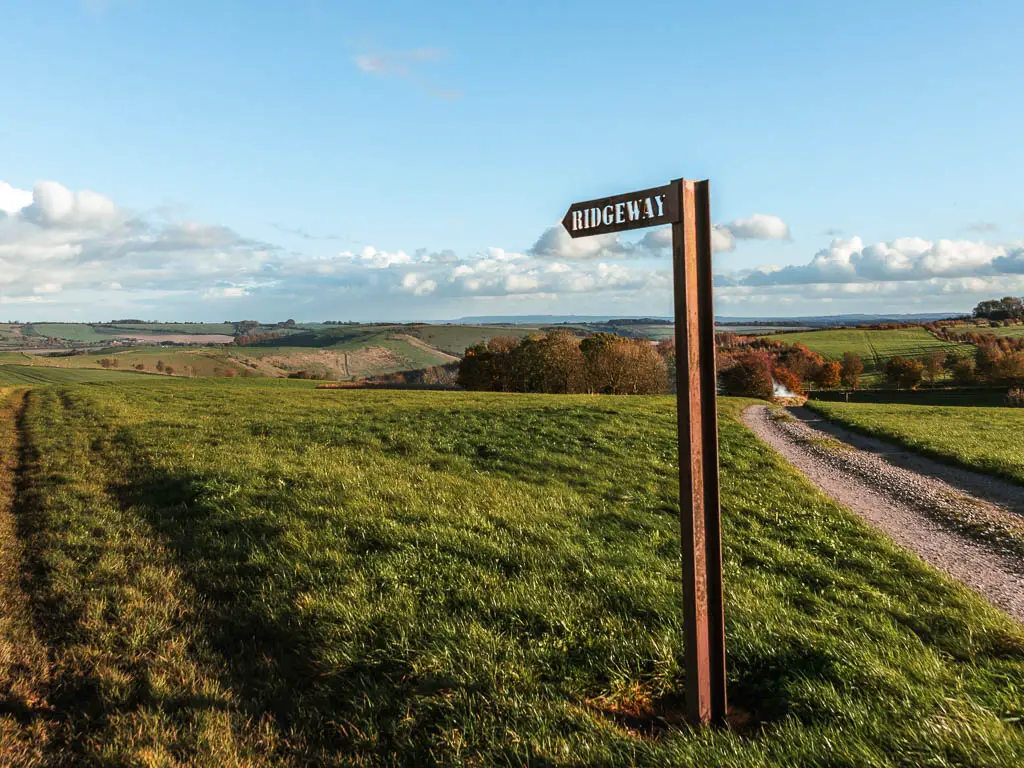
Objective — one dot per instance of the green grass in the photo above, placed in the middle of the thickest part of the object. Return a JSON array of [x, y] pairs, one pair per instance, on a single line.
[[875, 347], [1014, 331], [67, 331], [254, 572], [983, 439]]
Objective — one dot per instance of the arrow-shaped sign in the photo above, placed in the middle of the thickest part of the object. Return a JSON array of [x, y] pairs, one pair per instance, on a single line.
[[646, 208]]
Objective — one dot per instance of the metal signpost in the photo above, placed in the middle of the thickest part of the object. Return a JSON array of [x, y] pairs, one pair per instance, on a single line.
[[686, 206]]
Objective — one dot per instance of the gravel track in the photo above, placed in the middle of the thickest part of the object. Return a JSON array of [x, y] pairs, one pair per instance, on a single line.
[[969, 525]]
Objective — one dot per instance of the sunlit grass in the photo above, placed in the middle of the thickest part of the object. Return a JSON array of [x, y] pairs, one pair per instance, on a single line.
[[249, 572], [983, 439]]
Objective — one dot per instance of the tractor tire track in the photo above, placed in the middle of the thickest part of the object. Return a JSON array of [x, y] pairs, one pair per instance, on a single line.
[[26, 718]]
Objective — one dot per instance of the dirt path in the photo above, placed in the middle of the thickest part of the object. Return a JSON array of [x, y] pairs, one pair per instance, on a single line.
[[969, 525], [421, 344]]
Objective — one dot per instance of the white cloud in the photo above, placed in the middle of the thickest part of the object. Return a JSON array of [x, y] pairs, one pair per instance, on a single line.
[[903, 259], [13, 200], [556, 242], [77, 243], [80, 250], [55, 205], [760, 226]]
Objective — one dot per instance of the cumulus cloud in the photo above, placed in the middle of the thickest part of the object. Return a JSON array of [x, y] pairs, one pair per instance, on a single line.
[[903, 259], [760, 226], [13, 200], [55, 240], [79, 249], [555, 242]]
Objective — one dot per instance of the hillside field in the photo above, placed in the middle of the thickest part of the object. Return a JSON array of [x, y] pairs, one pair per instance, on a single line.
[[875, 347], [331, 352], [32, 375], [254, 572], [1014, 331], [984, 439]]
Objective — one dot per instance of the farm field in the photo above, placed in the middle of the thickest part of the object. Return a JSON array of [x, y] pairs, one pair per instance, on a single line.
[[256, 572], [875, 347], [97, 333], [1014, 331], [354, 359], [984, 439], [30, 375]]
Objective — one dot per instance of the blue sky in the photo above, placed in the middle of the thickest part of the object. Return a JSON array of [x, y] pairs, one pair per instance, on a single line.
[[405, 160]]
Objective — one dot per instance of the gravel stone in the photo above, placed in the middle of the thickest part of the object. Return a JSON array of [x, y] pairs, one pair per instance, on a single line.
[[969, 525]]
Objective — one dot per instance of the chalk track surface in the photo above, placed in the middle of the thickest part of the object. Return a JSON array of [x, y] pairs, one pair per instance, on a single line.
[[968, 525]]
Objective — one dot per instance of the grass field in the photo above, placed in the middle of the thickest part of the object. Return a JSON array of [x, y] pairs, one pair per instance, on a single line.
[[258, 573], [874, 347], [984, 439], [68, 331], [1014, 331], [353, 358]]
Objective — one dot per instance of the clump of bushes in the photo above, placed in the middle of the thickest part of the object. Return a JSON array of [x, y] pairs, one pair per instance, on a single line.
[[748, 375], [306, 374], [904, 373], [560, 363], [1015, 398]]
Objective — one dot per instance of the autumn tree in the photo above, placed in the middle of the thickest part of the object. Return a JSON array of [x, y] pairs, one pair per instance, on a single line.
[[964, 371], [559, 364], [987, 357], [749, 375], [829, 375], [789, 380], [933, 365], [801, 361], [616, 365], [1009, 368], [851, 369], [904, 373]]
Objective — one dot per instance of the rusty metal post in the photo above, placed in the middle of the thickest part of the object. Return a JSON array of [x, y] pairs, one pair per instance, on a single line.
[[700, 516]]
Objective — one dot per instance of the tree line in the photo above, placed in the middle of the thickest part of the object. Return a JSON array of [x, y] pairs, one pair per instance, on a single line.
[[1008, 308], [559, 362], [751, 366]]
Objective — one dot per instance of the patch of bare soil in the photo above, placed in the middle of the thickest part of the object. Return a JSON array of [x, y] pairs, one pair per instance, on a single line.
[[969, 525], [181, 338]]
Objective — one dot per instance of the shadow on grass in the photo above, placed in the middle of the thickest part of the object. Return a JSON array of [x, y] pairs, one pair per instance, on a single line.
[[272, 653], [67, 692]]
